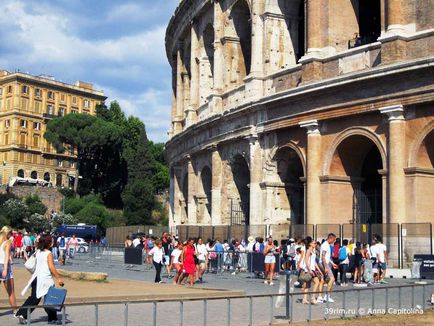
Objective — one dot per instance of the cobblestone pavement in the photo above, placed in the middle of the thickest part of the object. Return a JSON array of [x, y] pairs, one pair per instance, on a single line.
[[377, 300]]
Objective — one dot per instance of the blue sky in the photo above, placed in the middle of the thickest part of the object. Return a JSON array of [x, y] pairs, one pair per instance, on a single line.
[[118, 45]]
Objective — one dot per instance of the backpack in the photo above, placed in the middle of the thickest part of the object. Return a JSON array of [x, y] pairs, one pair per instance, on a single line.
[[335, 251], [150, 244], [62, 242], [342, 254]]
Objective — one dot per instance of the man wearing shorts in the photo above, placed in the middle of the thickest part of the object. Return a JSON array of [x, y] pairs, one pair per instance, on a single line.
[[327, 265], [167, 246]]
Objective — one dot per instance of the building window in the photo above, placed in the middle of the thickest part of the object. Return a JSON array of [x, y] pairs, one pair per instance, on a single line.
[[74, 111], [24, 89], [72, 164], [6, 139], [47, 176], [10, 89], [61, 112], [36, 126], [1, 91], [20, 173], [62, 97], [8, 104], [86, 104], [59, 163], [36, 141], [50, 95], [23, 124], [34, 175], [74, 99], [37, 106], [23, 140], [35, 159], [50, 109], [37, 92], [7, 124], [24, 104], [58, 180]]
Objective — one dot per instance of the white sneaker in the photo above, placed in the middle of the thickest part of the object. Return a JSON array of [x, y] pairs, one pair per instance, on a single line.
[[265, 282], [319, 299], [271, 283], [327, 298]]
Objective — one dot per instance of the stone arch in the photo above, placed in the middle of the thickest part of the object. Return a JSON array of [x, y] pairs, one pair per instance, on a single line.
[[59, 180], [47, 176], [240, 14], [354, 181], [206, 182], [34, 174], [353, 131], [421, 152], [240, 204], [208, 45], [20, 173], [289, 189], [269, 163]]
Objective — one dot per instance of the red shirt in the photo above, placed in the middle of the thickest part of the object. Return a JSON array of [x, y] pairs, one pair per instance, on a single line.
[[18, 241]]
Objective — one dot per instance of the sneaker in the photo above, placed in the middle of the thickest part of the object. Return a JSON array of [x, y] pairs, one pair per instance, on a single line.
[[271, 283], [55, 322], [383, 282], [22, 320], [327, 298], [319, 299], [265, 282], [296, 283], [200, 280]]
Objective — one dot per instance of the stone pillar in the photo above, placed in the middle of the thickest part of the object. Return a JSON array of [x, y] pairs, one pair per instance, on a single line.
[[313, 183], [396, 163], [192, 190], [216, 187], [186, 91], [177, 123], [191, 113], [398, 17], [177, 214], [255, 181], [219, 59], [254, 82], [235, 68], [317, 28]]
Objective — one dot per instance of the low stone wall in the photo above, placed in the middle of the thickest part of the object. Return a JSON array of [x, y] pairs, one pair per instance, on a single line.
[[51, 197]]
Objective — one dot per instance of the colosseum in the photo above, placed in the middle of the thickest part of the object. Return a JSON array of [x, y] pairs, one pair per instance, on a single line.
[[301, 112]]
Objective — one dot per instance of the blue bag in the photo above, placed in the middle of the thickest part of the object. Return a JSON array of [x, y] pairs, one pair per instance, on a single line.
[[55, 297]]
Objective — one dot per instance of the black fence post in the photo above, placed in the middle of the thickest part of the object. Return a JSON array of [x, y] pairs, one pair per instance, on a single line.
[[430, 235]]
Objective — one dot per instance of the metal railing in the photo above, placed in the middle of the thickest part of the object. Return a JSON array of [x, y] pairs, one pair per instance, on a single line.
[[341, 310]]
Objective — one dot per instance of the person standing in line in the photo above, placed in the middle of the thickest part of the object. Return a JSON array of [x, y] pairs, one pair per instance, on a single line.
[[157, 254], [6, 275], [41, 280], [167, 251], [344, 261], [381, 252], [328, 264], [269, 261], [128, 243]]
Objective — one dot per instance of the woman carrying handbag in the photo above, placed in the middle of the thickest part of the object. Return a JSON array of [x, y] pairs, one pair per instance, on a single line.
[[41, 280], [6, 275]]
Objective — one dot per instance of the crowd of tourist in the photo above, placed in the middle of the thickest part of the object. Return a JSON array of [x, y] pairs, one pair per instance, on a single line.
[[318, 263]]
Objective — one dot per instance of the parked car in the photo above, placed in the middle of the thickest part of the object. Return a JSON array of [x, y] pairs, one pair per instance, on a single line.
[[83, 246]]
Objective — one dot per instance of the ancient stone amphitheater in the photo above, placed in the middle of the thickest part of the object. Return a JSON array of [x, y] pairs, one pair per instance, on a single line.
[[302, 112]]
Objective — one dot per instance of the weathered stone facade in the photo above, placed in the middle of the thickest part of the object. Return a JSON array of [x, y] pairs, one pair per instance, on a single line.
[[315, 111]]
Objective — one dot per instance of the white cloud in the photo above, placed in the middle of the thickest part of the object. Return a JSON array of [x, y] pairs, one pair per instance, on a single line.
[[51, 42]]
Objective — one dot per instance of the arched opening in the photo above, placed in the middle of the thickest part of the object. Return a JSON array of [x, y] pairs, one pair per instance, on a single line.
[[34, 175], [425, 155], [206, 179], [240, 15], [208, 41], [290, 171], [47, 176], [369, 19], [358, 158], [58, 180], [20, 173], [294, 12], [240, 205], [184, 210]]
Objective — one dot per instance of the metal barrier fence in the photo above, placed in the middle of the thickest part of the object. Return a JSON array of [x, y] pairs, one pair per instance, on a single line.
[[402, 240], [412, 298]]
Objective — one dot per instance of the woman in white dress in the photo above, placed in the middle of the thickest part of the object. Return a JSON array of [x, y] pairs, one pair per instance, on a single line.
[[6, 275], [41, 280]]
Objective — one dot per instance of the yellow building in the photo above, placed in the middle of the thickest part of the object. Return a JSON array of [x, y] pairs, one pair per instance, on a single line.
[[27, 103]]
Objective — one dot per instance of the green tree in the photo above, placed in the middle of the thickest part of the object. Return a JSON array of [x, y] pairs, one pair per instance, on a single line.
[[16, 212], [35, 205]]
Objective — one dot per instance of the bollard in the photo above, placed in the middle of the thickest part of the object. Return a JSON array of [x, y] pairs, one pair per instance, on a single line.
[[96, 315]]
